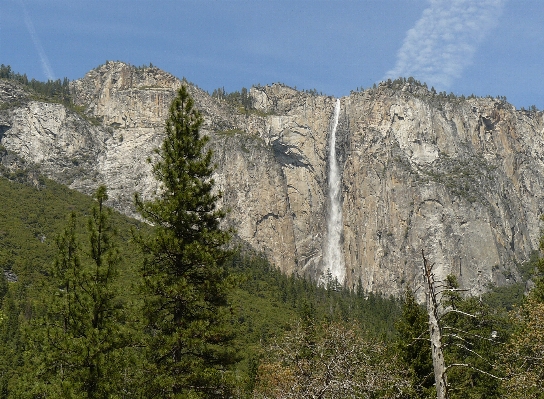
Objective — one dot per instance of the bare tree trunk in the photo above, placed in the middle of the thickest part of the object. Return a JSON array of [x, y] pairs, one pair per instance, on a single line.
[[435, 333]]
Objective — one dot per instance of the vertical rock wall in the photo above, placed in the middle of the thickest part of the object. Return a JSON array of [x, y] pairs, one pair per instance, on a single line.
[[461, 178], [444, 177]]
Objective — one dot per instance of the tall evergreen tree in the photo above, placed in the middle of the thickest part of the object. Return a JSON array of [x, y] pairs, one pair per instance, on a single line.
[[413, 346], [76, 341], [473, 334], [184, 275]]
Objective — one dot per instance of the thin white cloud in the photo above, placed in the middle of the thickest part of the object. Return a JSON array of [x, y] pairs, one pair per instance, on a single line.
[[37, 44], [443, 41]]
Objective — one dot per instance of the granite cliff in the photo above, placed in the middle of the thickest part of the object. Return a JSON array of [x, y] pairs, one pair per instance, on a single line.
[[462, 179]]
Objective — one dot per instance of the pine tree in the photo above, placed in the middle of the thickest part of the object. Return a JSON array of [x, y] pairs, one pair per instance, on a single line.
[[184, 275], [72, 349], [474, 343], [413, 346], [464, 340]]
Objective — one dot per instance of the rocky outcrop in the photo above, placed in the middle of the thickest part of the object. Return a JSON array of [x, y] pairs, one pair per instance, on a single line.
[[462, 179]]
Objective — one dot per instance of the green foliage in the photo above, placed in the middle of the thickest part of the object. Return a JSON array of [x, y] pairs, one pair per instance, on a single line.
[[537, 265], [240, 100], [30, 218], [185, 281], [74, 348], [476, 342], [523, 354], [437, 100], [56, 90], [506, 297], [312, 92], [33, 215], [236, 98], [413, 346], [469, 178], [264, 302], [513, 295], [269, 300], [11, 342], [531, 112], [473, 334]]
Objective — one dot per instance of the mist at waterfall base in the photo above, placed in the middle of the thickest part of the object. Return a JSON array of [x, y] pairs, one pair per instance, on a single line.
[[334, 261]]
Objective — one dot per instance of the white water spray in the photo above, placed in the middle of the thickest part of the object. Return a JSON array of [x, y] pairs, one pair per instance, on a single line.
[[334, 261]]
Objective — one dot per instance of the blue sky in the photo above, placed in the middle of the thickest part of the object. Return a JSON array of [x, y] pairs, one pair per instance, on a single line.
[[483, 47]]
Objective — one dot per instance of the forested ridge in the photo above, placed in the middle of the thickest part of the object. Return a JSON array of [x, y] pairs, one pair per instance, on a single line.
[[95, 305]]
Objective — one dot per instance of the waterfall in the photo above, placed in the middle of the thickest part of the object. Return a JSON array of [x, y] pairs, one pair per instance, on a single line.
[[334, 261]]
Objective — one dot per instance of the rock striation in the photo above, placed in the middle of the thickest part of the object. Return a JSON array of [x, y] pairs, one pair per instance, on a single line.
[[462, 179]]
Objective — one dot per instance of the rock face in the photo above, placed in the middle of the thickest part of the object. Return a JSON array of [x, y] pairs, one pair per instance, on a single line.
[[462, 179]]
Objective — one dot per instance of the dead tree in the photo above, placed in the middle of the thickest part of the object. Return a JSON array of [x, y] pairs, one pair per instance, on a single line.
[[436, 312], [435, 332]]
